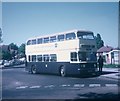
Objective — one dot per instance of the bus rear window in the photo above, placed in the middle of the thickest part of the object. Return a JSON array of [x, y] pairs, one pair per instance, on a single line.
[[85, 35]]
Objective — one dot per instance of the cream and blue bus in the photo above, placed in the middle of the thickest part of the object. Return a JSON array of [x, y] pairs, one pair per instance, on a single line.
[[65, 53]]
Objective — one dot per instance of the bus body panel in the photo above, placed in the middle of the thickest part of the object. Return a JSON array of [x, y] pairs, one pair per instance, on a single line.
[[71, 68]]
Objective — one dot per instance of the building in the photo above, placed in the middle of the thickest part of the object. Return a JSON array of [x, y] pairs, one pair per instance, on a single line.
[[111, 55]]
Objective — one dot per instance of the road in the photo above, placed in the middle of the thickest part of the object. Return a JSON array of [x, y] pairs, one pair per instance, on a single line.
[[18, 84]]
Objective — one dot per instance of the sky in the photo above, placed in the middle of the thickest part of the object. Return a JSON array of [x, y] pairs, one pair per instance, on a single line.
[[23, 20]]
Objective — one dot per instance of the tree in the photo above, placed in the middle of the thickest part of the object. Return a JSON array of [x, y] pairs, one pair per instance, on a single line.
[[13, 48], [1, 35], [21, 50], [99, 41], [6, 55]]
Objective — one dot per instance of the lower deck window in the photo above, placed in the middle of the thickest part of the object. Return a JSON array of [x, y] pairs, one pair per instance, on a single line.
[[42, 58], [46, 58], [39, 58], [33, 58], [53, 57], [73, 56]]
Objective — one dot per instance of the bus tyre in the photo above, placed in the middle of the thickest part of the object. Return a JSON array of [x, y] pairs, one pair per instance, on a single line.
[[33, 70], [63, 71]]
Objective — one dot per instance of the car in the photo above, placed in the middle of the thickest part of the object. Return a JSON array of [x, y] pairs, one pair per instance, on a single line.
[[6, 63], [1, 63]]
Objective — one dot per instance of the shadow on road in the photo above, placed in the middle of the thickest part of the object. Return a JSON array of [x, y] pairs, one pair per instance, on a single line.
[[92, 75], [95, 96]]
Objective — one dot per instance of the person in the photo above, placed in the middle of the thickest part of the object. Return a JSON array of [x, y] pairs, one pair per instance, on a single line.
[[100, 63]]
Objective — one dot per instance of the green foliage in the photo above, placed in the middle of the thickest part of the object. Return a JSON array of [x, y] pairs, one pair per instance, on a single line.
[[13, 46], [13, 51], [1, 35], [21, 50], [6, 55], [99, 41]]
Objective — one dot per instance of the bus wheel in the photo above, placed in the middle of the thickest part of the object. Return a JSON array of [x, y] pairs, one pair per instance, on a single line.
[[62, 71], [33, 70]]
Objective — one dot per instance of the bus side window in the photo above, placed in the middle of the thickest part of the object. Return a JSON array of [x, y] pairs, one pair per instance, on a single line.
[[46, 40], [61, 37], [52, 38], [33, 58], [73, 56], [39, 58], [39, 41], [29, 42], [70, 36], [34, 42], [53, 57], [46, 58]]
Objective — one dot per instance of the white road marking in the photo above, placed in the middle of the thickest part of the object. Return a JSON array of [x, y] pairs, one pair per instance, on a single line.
[[75, 86], [111, 85], [35, 87], [21, 87], [64, 85], [49, 86], [94, 85], [79, 85]]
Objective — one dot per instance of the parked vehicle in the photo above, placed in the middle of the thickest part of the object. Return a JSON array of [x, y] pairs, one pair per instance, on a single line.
[[7, 63]]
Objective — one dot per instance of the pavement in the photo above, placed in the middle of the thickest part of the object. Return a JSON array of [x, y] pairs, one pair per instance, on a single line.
[[113, 73], [14, 66]]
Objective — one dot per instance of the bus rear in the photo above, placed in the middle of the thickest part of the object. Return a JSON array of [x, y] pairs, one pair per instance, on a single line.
[[87, 52]]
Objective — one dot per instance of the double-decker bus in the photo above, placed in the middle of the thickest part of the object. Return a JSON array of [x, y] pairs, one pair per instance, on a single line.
[[65, 53]]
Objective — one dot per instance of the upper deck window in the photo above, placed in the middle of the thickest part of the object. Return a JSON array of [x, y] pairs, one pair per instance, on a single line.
[[46, 40], [39, 41], [61, 37], [52, 38], [33, 41], [85, 35], [70, 36], [29, 42]]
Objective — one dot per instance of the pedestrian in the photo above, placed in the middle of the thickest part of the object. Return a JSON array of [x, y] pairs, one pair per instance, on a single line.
[[100, 63]]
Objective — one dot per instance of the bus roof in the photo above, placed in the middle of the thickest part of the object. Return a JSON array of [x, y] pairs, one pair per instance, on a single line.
[[70, 31]]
